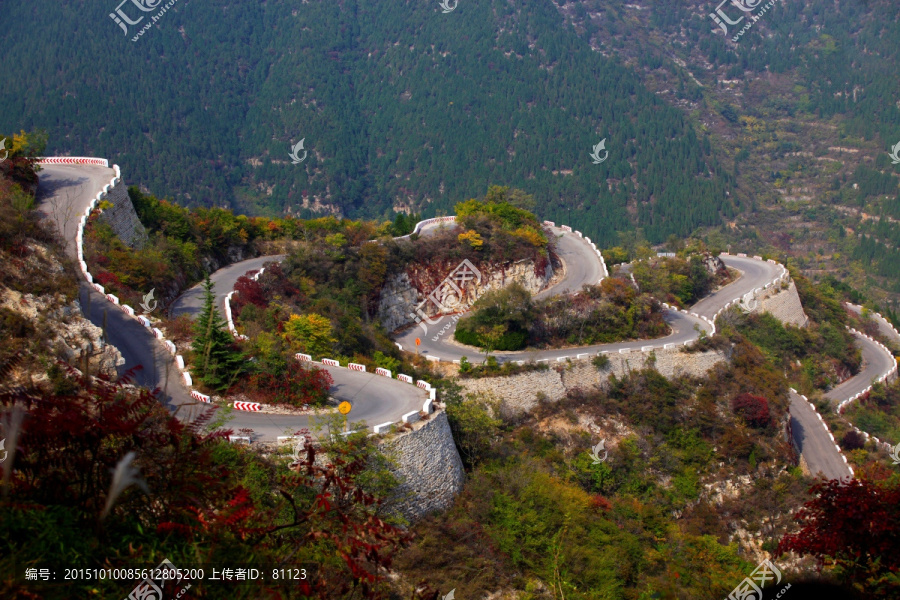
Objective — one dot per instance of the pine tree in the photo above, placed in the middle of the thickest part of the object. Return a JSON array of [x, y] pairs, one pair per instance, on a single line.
[[217, 362]]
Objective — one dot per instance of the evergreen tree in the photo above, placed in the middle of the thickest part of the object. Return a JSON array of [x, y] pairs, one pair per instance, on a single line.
[[217, 362]]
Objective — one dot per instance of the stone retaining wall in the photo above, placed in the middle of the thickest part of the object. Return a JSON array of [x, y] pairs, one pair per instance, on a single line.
[[429, 468], [783, 304], [519, 393]]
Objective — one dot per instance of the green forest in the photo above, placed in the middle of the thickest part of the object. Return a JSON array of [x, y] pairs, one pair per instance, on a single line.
[[399, 106]]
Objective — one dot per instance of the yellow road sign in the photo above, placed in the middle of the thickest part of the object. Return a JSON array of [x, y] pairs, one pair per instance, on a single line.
[[344, 407]]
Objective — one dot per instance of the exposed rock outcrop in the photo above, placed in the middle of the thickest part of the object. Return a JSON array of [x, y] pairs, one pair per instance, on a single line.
[[123, 219], [449, 288]]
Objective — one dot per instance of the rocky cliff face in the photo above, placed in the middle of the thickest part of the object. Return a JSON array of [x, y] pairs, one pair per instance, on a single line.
[[123, 218], [450, 288], [58, 328]]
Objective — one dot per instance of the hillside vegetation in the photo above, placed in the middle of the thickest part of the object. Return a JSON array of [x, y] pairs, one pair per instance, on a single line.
[[399, 107], [99, 474]]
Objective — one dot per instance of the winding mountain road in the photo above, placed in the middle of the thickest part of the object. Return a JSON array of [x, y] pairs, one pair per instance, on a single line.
[[191, 302], [66, 191], [886, 329], [876, 362], [583, 267]]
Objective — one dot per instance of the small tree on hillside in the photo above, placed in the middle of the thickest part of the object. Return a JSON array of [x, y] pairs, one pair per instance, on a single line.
[[217, 362], [309, 333], [489, 337]]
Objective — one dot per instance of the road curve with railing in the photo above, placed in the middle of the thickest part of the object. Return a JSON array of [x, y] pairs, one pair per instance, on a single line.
[[66, 194]]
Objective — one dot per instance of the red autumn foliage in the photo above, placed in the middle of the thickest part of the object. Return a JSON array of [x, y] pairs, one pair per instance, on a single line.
[[69, 444], [272, 283], [298, 385], [753, 409], [105, 278], [248, 291], [601, 503], [855, 524]]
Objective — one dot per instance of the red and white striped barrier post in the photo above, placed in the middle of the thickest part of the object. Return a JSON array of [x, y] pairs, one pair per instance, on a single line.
[[248, 406], [356, 367], [404, 378], [303, 357], [382, 372], [330, 362], [201, 397]]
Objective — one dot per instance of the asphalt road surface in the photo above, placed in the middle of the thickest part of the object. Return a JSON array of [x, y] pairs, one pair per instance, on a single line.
[[754, 274], [886, 329], [583, 267], [816, 446], [876, 362], [191, 302], [814, 443]]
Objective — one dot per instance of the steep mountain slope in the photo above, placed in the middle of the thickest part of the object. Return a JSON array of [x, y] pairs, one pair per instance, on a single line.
[[802, 109], [398, 104]]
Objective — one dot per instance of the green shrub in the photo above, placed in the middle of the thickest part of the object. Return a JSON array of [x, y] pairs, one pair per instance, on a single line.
[[601, 361]]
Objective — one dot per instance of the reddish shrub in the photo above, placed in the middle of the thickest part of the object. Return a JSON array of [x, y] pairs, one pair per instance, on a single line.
[[297, 386], [600, 503], [106, 278], [248, 291], [753, 409], [853, 524], [69, 446]]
